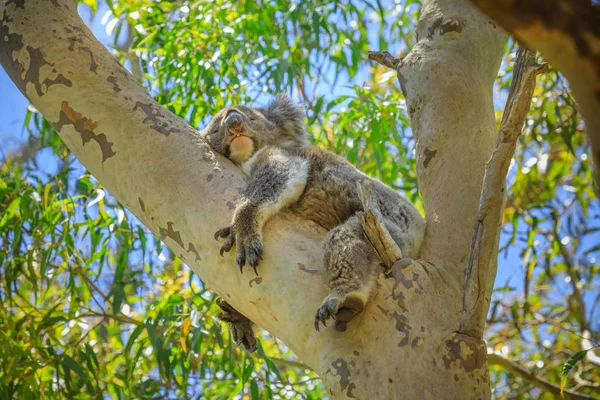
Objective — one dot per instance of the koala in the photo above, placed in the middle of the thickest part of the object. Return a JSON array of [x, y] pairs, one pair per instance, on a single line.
[[285, 172]]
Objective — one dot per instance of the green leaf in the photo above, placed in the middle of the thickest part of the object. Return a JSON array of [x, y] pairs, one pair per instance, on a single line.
[[580, 355], [70, 363], [254, 390]]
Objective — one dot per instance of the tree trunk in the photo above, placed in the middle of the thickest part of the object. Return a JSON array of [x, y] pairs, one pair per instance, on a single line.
[[404, 345]]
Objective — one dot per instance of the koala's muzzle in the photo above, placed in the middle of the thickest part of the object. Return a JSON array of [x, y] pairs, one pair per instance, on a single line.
[[234, 122]]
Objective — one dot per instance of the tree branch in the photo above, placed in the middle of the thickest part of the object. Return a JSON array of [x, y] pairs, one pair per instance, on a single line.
[[372, 223], [567, 34], [482, 263], [509, 366], [385, 58]]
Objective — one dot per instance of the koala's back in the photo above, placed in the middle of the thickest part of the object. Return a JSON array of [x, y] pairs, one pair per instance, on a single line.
[[331, 195]]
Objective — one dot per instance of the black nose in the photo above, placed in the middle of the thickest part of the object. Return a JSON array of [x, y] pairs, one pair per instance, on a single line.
[[234, 122]]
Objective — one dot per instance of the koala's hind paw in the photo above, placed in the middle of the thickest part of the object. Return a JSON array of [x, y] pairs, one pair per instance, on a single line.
[[341, 308], [239, 326]]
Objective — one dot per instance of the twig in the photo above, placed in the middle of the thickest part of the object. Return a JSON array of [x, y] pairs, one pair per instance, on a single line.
[[372, 223], [481, 265], [385, 58], [289, 363], [509, 366]]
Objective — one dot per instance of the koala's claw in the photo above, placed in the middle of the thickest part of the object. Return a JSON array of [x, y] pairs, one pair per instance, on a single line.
[[229, 239], [249, 251], [239, 326], [222, 233], [326, 311], [341, 310]]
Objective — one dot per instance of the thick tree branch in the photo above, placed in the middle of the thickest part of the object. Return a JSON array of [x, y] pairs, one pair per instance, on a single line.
[[509, 366], [567, 34], [482, 264]]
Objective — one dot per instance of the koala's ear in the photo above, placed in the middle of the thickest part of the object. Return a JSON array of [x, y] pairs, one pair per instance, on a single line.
[[288, 115]]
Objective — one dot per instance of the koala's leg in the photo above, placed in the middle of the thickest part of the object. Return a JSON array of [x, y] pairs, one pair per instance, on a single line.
[[239, 326], [275, 181], [350, 263]]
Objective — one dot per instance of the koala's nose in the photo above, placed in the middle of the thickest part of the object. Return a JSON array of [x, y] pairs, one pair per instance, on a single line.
[[234, 122]]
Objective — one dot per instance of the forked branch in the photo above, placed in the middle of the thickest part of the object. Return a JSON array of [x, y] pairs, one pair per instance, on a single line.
[[481, 265]]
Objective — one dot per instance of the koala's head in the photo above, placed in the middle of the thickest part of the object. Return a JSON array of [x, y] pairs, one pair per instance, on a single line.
[[237, 132]]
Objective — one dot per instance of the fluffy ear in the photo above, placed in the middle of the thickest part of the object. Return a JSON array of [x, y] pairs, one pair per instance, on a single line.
[[287, 115]]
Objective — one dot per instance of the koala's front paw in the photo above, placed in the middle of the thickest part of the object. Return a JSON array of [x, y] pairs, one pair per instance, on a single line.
[[240, 326], [248, 243], [341, 308]]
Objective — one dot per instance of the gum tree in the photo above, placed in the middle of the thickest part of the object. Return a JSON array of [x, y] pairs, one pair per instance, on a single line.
[[421, 335]]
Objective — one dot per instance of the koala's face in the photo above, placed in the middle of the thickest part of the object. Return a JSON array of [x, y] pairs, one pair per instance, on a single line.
[[237, 132]]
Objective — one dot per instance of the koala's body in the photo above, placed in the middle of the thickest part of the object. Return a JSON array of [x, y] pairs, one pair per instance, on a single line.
[[285, 173]]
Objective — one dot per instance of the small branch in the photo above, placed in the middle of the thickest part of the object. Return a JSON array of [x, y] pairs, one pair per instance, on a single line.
[[481, 265], [372, 223], [509, 366], [289, 363], [385, 58]]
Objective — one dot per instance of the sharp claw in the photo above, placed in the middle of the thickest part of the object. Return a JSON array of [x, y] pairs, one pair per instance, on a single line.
[[255, 270], [317, 325], [241, 268], [221, 251]]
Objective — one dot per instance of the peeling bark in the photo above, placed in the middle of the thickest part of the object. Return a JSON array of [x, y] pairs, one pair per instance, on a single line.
[[403, 345]]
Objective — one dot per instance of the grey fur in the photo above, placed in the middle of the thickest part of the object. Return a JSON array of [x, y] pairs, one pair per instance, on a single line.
[[286, 173]]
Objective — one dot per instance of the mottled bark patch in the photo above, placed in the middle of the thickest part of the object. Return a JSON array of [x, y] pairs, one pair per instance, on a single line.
[[444, 26], [93, 64], [409, 280], [255, 281], [341, 368], [192, 249], [10, 43], [113, 81], [230, 205], [303, 268], [464, 352], [171, 233], [403, 327], [428, 154], [36, 62], [157, 119], [85, 127]]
